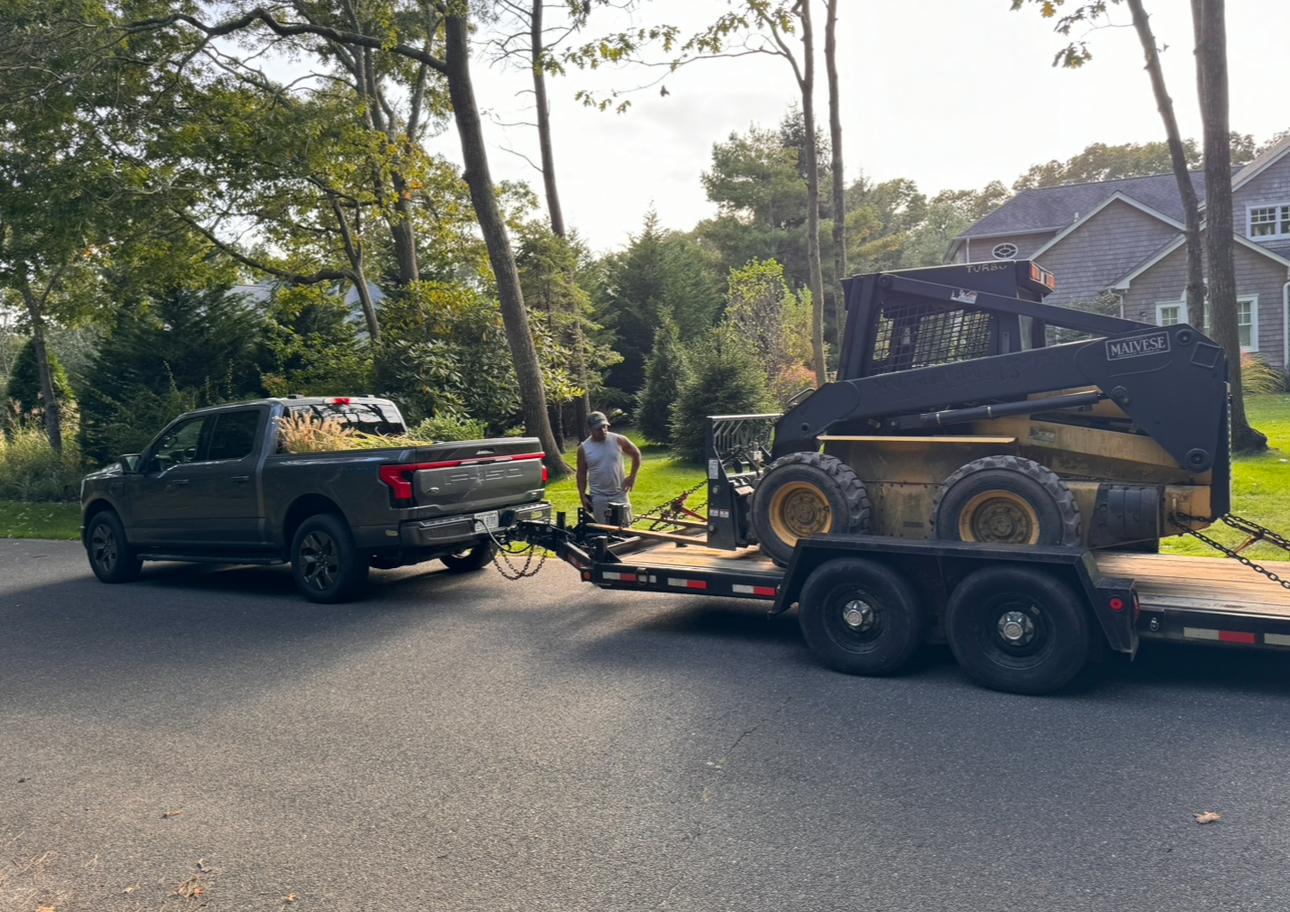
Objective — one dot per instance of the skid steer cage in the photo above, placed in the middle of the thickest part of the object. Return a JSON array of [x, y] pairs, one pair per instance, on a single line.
[[911, 334], [738, 450]]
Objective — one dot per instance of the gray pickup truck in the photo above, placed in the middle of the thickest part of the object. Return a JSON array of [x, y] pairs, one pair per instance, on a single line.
[[217, 486]]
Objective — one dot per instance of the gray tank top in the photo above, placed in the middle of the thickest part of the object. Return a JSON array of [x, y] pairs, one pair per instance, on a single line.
[[604, 465]]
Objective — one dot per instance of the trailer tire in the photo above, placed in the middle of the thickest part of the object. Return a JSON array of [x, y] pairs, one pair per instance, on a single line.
[[805, 494], [1018, 629], [860, 617], [476, 557], [1006, 500]]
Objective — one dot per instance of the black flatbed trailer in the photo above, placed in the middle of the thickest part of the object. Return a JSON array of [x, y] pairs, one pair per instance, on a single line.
[[1019, 618]]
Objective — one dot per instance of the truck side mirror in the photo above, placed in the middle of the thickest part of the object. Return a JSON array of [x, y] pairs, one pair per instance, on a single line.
[[129, 463]]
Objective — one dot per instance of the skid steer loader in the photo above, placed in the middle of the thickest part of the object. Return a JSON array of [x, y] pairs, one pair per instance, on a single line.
[[966, 409]]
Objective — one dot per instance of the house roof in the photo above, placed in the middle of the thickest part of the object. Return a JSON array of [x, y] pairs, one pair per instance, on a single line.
[[1261, 161], [1052, 208], [1122, 283]]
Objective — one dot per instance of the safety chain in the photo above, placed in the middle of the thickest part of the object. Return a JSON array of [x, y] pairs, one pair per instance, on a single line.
[[507, 569], [1250, 528], [662, 509]]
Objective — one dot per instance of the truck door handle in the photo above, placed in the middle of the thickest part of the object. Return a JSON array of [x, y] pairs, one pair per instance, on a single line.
[[177, 482], [240, 479]]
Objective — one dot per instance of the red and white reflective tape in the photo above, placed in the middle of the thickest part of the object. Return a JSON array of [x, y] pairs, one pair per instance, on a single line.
[[619, 577], [759, 591], [686, 583], [1238, 637]]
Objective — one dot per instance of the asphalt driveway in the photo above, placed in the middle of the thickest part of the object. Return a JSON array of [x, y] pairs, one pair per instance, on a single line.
[[205, 739]]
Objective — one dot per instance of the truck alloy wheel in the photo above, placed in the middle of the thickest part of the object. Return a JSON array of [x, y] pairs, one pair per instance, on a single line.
[[804, 494], [860, 617], [324, 561], [1017, 629], [111, 557], [1006, 500]]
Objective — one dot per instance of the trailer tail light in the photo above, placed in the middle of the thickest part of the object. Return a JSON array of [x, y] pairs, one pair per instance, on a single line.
[[399, 477]]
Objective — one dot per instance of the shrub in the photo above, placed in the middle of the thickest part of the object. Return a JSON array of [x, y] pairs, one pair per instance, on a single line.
[[663, 374], [725, 378], [1258, 376], [24, 380], [30, 469], [449, 426]]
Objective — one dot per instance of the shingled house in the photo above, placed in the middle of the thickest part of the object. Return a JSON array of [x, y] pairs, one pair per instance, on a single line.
[[1119, 246]]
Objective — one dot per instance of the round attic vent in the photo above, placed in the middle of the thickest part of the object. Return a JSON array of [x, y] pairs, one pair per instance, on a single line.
[[1004, 251]]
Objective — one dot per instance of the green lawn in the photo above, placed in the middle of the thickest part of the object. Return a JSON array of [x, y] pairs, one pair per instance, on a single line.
[[40, 520]]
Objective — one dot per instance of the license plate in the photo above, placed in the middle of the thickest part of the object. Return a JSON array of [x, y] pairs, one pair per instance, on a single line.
[[487, 520]]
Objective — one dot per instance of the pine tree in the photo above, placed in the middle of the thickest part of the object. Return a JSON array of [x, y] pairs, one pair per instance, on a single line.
[[725, 379], [664, 372], [24, 380]]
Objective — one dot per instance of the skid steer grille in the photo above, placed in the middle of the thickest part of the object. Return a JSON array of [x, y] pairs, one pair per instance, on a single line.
[[912, 335]]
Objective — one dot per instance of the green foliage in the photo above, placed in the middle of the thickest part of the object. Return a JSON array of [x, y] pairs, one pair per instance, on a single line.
[[164, 356], [664, 372], [444, 351], [24, 381], [30, 469], [311, 346], [775, 323], [449, 426], [660, 273], [725, 378]]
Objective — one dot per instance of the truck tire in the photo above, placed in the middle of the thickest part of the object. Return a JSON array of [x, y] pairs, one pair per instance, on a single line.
[[326, 565], [805, 494], [110, 555], [860, 617], [1017, 629], [1006, 500], [474, 558]]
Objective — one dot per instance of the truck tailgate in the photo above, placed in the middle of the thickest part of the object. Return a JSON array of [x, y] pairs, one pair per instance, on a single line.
[[482, 479]]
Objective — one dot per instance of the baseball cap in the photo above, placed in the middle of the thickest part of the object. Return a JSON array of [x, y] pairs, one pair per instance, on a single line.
[[597, 420]]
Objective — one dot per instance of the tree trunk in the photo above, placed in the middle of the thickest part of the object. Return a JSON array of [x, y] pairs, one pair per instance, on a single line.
[[544, 121], [1178, 159], [839, 184], [514, 316], [354, 252], [53, 414], [807, 84], [405, 241], [1211, 78]]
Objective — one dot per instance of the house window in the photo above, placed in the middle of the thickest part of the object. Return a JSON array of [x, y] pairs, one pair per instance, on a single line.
[[1247, 322], [1168, 314], [1269, 221], [1004, 251]]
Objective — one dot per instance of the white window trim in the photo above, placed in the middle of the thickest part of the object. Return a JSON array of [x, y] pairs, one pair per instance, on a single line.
[[1182, 310], [1249, 229], [994, 251], [1254, 321]]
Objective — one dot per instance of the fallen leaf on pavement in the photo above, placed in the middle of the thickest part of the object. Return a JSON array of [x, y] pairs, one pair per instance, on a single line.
[[175, 813], [1209, 817], [290, 897], [190, 889], [46, 909]]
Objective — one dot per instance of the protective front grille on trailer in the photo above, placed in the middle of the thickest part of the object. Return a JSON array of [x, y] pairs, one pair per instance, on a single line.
[[911, 335]]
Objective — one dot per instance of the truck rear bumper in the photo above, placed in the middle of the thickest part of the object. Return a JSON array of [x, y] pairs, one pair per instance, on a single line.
[[448, 530]]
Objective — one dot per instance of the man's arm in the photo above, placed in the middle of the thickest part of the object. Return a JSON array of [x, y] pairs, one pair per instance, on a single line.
[[582, 481], [634, 453]]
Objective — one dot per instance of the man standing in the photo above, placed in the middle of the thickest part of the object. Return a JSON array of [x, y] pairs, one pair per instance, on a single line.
[[600, 461]]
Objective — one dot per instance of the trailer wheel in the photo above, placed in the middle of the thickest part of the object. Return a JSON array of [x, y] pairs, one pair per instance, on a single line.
[[805, 494], [1017, 629], [1006, 500], [860, 617]]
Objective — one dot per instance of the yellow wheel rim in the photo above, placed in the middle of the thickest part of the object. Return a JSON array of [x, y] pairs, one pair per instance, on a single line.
[[797, 510], [999, 517]]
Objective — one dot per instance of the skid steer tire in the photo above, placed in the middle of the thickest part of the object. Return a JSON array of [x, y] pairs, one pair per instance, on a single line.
[[1006, 500], [805, 494]]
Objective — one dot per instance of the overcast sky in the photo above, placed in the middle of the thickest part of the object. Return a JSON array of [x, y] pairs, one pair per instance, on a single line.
[[950, 93]]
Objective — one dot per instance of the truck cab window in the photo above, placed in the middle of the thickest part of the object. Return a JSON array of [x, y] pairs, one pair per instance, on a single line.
[[178, 446], [234, 435]]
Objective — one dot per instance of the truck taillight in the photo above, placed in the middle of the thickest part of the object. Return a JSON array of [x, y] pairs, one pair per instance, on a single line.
[[399, 480], [546, 476], [341, 400]]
